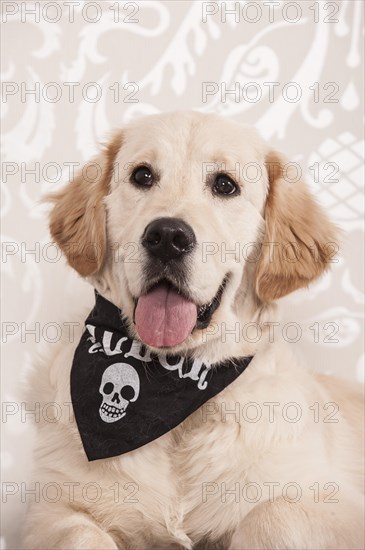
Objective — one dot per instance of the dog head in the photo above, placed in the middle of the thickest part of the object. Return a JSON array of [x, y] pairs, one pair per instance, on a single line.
[[187, 220]]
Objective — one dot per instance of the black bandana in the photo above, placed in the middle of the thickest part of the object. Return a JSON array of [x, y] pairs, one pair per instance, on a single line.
[[124, 396]]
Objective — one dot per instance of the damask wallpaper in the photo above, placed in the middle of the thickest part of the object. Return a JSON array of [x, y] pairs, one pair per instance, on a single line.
[[72, 71]]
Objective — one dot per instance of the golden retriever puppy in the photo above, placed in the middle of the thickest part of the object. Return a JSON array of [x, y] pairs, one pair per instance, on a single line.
[[189, 432]]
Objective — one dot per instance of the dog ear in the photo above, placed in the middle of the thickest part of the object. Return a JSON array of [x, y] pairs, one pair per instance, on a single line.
[[77, 220], [299, 241]]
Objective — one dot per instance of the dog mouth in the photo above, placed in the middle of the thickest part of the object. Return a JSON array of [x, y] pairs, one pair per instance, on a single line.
[[165, 316]]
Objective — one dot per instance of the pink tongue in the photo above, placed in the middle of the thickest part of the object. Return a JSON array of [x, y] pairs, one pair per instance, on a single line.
[[164, 318]]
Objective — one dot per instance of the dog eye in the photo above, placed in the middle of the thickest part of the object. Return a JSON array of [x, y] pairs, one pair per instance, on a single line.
[[223, 185], [142, 176]]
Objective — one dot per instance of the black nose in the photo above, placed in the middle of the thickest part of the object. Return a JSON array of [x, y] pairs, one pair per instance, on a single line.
[[168, 238]]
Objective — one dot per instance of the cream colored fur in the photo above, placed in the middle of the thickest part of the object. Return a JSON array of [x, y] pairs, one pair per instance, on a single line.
[[197, 485]]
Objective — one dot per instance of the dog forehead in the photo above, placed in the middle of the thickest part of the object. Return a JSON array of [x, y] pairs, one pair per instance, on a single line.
[[190, 135]]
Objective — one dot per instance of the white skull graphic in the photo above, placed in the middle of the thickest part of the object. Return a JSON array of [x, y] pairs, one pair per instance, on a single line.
[[119, 381]]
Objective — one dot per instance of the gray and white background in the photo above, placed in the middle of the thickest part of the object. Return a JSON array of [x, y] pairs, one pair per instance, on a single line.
[[292, 69]]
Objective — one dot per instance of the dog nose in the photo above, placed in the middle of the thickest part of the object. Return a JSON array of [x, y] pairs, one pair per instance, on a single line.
[[168, 238]]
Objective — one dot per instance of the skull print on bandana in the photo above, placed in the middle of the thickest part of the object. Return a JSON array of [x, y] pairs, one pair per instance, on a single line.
[[124, 396], [115, 382]]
